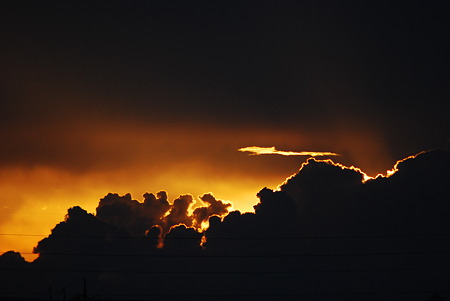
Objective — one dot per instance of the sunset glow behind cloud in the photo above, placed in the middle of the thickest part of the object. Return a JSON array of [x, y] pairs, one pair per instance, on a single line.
[[104, 105], [257, 150]]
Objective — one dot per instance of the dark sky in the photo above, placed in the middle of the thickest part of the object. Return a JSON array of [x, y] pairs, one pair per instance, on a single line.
[[271, 65], [134, 96]]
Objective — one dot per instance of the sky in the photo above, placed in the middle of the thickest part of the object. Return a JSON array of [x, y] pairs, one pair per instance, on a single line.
[[136, 97], [326, 233]]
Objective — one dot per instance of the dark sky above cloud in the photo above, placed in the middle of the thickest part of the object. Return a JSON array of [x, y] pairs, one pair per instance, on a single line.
[[135, 97], [320, 67], [285, 65]]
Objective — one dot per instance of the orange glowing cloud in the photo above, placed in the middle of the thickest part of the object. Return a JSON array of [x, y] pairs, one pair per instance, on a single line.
[[257, 150]]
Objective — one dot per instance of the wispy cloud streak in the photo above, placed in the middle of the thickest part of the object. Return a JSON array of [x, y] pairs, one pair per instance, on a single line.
[[257, 150]]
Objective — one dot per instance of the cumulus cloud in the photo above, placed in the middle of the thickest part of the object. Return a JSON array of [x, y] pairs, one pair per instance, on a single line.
[[320, 179], [323, 219], [257, 150], [182, 238], [179, 212], [80, 233], [137, 217], [11, 259], [129, 214], [214, 207]]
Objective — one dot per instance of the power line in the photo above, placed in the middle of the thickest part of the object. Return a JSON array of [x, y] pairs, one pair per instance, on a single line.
[[19, 234], [237, 238], [421, 269], [211, 295], [246, 256]]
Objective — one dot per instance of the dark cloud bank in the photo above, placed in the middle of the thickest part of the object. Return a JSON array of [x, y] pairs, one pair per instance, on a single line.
[[324, 235]]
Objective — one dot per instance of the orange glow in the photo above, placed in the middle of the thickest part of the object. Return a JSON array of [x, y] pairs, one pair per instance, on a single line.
[[50, 192], [33, 212], [203, 241], [395, 168], [35, 200], [37, 188], [257, 150], [331, 162], [203, 226], [392, 171], [365, 176]]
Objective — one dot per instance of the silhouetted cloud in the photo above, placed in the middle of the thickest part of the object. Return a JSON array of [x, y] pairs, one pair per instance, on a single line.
[[79, 233], [178, 213], [158, 94], [184, 239], [132, 215], [215, 207], [11, 259], [136, 217], [327, 193], [325, 220]]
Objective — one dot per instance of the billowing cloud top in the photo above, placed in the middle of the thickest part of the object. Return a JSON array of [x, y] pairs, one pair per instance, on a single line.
[[258, 150], [380, 238]]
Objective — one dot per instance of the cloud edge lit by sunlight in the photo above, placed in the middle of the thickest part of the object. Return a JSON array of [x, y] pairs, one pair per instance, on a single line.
[[258, 150]]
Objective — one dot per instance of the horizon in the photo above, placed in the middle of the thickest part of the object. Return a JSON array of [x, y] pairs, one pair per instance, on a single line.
[[196, 201], [128, 242]]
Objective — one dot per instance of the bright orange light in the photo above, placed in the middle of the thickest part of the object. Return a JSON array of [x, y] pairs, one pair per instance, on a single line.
[[35, 195], [331, 162], [395, 168], [392, 171], [366, 177], [203, 241], [204, 225], [257, 150]]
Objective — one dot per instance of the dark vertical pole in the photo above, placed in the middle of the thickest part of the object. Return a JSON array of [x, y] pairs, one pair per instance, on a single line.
[[64, 293], [84, 289], [50, 293]]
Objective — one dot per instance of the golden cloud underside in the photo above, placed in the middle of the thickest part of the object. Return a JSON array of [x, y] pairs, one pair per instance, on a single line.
[[256, 150]]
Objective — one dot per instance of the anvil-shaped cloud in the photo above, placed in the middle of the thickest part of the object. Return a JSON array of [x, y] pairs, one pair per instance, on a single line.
[[257, 150]]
